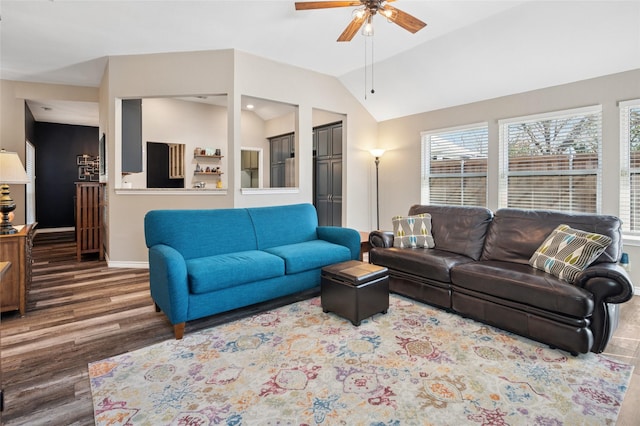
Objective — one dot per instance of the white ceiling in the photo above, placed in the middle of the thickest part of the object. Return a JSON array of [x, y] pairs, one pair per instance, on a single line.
[[469, 51]]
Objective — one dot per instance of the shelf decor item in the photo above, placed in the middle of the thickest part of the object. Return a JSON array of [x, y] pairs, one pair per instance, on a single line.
[[11, 172]]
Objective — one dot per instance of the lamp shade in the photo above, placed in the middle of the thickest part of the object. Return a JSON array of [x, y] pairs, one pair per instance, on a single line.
[[377, 152], [11, 169]]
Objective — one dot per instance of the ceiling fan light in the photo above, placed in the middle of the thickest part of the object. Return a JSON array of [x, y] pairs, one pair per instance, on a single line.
[[359, 13], [389, 14], [367, 29]]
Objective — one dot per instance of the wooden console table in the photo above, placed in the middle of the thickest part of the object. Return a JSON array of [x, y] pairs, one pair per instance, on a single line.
[[16, 248], [89, 220]]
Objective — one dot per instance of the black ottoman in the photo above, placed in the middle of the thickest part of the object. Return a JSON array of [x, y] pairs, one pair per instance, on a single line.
[[354, 290]]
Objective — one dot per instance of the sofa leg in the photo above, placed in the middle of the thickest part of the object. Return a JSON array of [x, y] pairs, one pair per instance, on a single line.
[[178, 330], [157, 307]]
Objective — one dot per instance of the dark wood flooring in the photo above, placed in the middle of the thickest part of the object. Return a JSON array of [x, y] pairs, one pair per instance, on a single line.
[[79, 312]]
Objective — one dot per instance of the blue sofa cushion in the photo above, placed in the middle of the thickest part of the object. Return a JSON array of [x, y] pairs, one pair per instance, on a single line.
[[283, 225], [207, 274], [309, 255], [201, 233]]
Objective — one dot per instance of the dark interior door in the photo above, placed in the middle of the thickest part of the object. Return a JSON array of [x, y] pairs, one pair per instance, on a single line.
[[328, 174]]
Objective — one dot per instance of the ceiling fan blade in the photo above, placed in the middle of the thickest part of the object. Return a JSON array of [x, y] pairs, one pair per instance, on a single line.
[[307, 5], [406, 21], [353, 27]]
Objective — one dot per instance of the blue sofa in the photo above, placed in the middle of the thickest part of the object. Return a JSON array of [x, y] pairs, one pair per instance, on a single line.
[[203, 262]]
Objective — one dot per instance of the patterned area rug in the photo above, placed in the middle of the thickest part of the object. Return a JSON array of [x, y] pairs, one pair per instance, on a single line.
[[416, 365]]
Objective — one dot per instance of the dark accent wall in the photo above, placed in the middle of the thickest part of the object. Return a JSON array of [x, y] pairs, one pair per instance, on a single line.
[[29, 124], [57, 146], [158, 175]]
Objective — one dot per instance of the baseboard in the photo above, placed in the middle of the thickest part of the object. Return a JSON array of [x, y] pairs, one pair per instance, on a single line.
[[52, 230], [127, 264]]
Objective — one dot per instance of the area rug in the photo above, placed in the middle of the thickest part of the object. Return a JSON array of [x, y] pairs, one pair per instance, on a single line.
[[296, 365]]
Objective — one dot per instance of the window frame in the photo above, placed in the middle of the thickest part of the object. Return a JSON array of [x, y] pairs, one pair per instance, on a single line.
[[425, 163], [626, 171], [503, 155]]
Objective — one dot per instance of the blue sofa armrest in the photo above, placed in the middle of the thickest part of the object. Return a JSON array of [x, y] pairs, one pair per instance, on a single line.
[[169, 282], [347, 237]]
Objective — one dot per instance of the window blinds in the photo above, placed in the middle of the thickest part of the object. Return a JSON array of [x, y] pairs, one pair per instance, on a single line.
[[552, 161], [454, 166], [630, 166]]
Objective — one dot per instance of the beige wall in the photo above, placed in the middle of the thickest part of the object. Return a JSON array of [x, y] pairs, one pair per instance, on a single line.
[[235, 74], [12, 120], [311, 91], [400, 165], [318, 97], [253, 136]]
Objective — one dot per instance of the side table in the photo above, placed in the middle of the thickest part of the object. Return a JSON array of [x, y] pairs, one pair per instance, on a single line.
[[364, 244]]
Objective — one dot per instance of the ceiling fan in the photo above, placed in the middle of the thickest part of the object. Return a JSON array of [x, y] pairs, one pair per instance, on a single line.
[[364, 14]]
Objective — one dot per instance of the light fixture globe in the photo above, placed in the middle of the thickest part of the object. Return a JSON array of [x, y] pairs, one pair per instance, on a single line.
[[378, 152]]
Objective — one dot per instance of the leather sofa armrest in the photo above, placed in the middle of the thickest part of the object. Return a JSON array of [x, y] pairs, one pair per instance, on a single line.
[[608, 281], [382, 239]]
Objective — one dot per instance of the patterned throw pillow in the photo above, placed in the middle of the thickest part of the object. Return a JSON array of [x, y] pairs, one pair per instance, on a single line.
[[567, 251], [412, 231]]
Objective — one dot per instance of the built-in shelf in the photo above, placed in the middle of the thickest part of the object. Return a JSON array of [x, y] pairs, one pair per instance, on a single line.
[[208, 156], [207, 173]]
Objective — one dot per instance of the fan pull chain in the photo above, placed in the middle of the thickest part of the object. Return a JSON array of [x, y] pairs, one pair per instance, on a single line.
[[372, 62], [366, 66]]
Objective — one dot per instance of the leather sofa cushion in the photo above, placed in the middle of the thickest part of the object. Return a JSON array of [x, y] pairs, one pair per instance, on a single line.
[[433, 264], [514, 234], [457, 229], [524, 284], [213, 273], [309, 255]]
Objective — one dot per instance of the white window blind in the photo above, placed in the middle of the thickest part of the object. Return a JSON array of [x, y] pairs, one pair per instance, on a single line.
[[552, 161], [630, 166], [454, 166]]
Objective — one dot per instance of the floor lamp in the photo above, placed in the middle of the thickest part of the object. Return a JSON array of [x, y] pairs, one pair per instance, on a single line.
[[377, 153], [11, 171]]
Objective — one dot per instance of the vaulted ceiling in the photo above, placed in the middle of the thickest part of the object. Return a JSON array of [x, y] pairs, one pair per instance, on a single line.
[[469, 51]]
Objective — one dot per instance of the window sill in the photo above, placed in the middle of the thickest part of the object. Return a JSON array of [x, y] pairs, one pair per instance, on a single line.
[[170, 191], [631, 240], [268, 191]]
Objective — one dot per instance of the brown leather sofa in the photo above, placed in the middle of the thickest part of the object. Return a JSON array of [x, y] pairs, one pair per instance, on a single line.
[[479, 269]]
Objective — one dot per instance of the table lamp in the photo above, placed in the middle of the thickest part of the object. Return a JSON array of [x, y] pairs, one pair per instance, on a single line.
[[11, 172]]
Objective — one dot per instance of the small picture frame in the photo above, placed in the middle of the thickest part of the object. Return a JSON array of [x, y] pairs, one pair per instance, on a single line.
[[82, 173], [83, 159]]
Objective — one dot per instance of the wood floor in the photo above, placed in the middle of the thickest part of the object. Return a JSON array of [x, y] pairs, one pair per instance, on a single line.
[[80, 312]]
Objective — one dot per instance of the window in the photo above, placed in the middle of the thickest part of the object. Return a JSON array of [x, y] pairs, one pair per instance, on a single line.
[[454, 166], [552, 161], [630, 165]]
